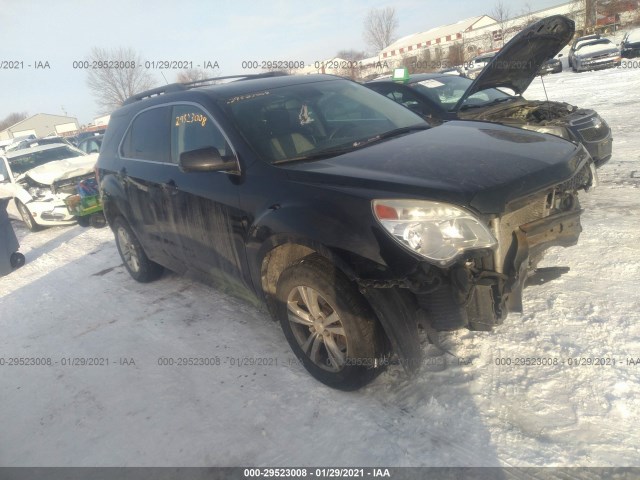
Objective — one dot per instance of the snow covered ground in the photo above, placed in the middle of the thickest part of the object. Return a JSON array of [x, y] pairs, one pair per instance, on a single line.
[[74, 299]]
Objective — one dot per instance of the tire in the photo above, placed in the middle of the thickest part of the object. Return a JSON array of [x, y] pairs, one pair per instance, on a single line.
[[83, 221], [97, 220], [133, 256], [27, 218], [343, 352], [17, 260]]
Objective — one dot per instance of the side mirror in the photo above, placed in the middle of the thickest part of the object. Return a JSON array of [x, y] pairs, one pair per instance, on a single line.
[[206, 159], [2, 179]]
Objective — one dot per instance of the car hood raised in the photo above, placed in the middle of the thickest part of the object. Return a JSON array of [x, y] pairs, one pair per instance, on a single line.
[[480, 164], [51, 172], [518, 62]]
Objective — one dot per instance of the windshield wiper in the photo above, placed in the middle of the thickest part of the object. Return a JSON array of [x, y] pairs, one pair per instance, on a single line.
[[353, 146], [318, 155], [390, 134]]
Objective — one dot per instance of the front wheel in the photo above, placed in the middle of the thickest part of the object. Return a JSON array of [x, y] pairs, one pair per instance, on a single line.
[[133, 256], [328, 324], [27, 218]]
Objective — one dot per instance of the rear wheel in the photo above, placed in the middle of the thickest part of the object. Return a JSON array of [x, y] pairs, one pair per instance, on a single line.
[[27, 218], [83, 221], [133, 256], [328, 325]]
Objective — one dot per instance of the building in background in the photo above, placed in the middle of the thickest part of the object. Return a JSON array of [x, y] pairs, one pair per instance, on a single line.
[[41, 125]]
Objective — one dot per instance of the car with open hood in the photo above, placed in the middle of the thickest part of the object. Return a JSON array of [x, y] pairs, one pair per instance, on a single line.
[[630, 45], [346, 213], [41, 177], [440, 98]]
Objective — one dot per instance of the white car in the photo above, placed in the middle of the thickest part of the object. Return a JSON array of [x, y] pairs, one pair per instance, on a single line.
[[40, 178], [478, 63]]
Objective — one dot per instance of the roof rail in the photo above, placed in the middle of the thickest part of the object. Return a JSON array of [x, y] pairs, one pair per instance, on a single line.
[[178, 87]]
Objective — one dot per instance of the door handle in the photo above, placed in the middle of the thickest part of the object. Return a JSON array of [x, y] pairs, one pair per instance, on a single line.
[[171, 187]]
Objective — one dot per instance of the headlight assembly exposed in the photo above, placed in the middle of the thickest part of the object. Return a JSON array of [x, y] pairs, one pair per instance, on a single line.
[[440, 232]]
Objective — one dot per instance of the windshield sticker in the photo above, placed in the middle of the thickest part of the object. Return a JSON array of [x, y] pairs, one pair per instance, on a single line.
[[303, 116], [431, 83], [246, 97], [191, 118]]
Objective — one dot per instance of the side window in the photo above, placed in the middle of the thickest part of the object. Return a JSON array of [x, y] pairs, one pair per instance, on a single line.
[[148, 136], [192, 129]]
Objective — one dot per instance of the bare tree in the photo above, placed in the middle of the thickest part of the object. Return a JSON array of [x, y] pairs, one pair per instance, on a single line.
[[501, 13], [12, 119], [352, 55], [576, 13], [193, 75], [112, 85], [380, 27], [528, 17]]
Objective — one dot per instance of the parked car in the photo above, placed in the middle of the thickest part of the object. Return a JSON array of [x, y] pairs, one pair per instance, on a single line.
[[477, 64], [439, 98], [630, 45], [351, 217], [577, 42], [41, 178], [91, 144], [596, 55], [76, 139], [19, 142], [553, 65]]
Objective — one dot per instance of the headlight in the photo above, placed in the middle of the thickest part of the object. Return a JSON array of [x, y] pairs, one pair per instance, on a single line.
[[36, 192], [556, 130], [438, 231]]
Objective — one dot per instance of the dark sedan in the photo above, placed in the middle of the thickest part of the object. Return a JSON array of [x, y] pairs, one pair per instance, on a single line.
[[439, 98], [630, 45]]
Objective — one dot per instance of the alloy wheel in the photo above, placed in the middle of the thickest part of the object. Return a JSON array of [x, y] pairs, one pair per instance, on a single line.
[[317, 328], [128, 249]]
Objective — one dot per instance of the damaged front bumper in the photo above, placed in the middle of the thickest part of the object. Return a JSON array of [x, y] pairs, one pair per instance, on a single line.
[[53, 212], [480, 290]]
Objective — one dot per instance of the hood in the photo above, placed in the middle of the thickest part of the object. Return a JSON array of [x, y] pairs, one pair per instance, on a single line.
[[477, 164], [518, 62], [51, 172]]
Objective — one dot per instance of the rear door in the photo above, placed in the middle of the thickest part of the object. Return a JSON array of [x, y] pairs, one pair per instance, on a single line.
[[148, 175]]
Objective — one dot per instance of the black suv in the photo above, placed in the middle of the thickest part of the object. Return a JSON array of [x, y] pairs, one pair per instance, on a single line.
[[350, 216]]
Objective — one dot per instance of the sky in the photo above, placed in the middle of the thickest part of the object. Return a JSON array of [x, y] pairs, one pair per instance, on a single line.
[[229, 33]]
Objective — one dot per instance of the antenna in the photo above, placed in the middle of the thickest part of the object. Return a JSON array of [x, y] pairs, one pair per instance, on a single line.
[[165, 78]]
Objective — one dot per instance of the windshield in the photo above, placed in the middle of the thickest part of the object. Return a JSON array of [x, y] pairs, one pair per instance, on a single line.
[[317, 119], [603, 41], [28, 159], [446, 92]]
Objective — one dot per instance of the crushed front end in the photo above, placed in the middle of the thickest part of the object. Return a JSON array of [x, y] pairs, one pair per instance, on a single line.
[[482, 286]]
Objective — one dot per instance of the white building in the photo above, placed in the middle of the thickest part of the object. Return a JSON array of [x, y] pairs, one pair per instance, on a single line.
[[41, 125]]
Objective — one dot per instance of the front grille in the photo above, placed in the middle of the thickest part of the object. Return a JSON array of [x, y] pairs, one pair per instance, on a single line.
[[580, 180], [593, 134]]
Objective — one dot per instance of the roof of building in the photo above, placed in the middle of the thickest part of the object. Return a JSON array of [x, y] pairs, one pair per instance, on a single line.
[[435, 33]]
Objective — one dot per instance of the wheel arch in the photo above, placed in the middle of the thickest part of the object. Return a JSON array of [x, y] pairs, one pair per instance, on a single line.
[[280, 253]]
